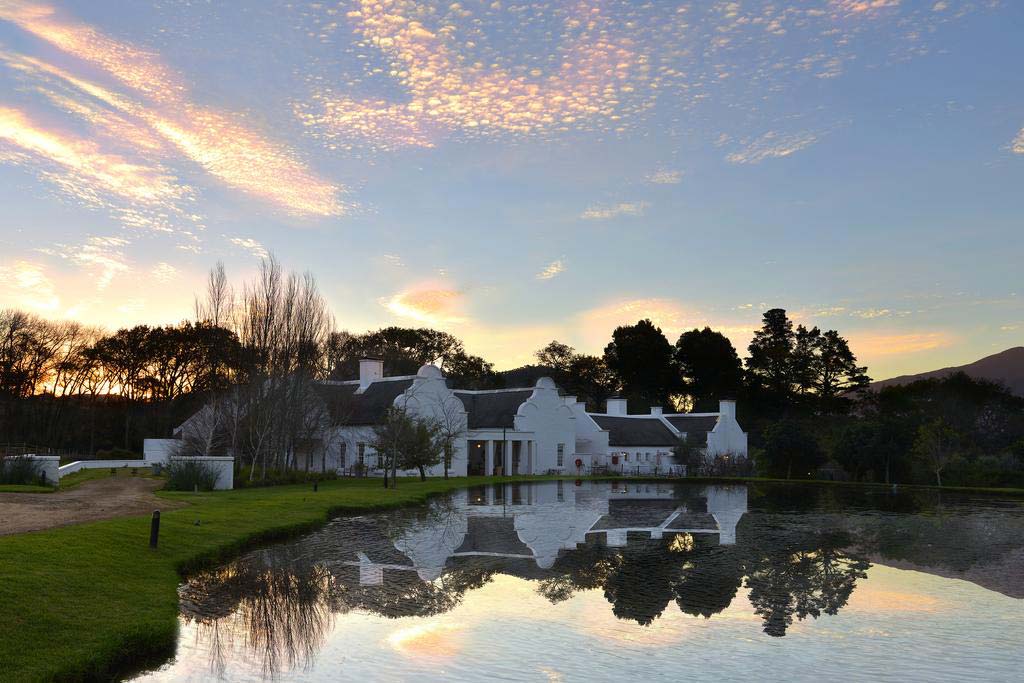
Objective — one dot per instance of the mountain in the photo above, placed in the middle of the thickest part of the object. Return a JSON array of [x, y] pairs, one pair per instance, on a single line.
[[1006, 367]]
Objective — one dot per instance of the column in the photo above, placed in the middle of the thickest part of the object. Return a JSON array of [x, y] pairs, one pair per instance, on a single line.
[[489, 458]]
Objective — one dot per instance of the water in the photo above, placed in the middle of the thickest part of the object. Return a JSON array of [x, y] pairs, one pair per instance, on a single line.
[[607, 581]]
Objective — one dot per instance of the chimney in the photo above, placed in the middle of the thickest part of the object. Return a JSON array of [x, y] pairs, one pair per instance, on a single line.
[[370, 370], [656, 410], [727, 408], [616, 406]]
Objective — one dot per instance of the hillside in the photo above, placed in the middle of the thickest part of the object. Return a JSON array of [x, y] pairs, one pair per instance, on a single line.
[[1006, 367]]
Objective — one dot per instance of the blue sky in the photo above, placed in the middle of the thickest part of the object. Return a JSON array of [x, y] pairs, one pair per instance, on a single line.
[[517, 172]]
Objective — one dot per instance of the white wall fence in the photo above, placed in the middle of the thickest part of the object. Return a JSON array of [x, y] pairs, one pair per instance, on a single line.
[[72, 467]]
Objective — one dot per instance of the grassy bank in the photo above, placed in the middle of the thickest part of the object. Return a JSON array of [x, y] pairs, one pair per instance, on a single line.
[[87, 601], [25, 488], [84, 602]]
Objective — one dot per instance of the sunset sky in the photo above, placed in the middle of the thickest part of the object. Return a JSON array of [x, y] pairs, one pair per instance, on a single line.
[[517, 172]]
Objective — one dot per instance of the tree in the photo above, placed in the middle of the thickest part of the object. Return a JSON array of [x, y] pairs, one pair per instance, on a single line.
[[874, 444], [935, 447], [770, 364], [404, 350], [641, 358], [689, 453], [710, 367], [834, 370], [788, 447], [405, 442], [585, 377]]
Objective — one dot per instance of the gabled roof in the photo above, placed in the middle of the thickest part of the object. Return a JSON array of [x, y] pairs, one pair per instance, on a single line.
[[635, 431], [350, 408], [493, 409], [695, 426]]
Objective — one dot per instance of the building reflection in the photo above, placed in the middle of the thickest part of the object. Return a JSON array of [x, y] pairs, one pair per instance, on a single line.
[[647, 547]]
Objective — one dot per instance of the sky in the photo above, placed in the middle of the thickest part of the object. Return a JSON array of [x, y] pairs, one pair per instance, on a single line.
[[519, 172]]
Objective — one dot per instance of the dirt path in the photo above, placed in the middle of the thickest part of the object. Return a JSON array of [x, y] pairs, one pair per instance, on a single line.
[[90, 501]]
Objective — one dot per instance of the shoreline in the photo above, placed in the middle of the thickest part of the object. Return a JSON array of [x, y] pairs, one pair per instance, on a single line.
[[93, 602]]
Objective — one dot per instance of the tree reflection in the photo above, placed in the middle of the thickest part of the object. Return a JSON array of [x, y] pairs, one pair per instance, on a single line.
[[282, 600], [801, 577], [283, 615]]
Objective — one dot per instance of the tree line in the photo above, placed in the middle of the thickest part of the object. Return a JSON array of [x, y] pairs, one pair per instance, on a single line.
[[246, 366]]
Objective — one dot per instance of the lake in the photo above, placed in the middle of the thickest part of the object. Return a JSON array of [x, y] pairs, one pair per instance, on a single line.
[[571, 581]]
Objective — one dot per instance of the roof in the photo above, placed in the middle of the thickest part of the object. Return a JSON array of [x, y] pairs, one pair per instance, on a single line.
[[695, 426], [493, 409], [635, 431], [350, 408]]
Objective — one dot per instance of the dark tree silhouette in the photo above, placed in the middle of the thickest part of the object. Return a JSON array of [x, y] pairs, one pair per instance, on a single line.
[[789, 449], [710, 368], [642, 360], [770, 364]]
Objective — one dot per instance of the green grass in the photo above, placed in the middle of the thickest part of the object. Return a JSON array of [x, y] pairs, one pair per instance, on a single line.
[[88, 601], [78, 478], [25, 488]]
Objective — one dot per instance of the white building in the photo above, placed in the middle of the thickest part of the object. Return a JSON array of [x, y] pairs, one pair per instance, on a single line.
[[525, 430], [643, 443]]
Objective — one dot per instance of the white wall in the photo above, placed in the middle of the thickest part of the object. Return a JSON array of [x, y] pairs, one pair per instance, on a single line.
[[72, 467], [727, 437], [552, 422], [49, 467], [158, 450], [591, 439], [225, 467], [430, 398]]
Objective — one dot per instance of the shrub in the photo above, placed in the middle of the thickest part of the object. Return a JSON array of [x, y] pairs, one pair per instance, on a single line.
[[189, 475], [18, 469]]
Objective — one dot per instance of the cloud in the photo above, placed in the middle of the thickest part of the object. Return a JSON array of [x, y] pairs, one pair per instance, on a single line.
[[890, 344], [427, 304], [163, 272], [1018, 143], [103, 256], [594, 79], [250, 245], [871, 313], [218, 142], [80, 168], [664, 177], [393, 260], [772, 145], [553, 269], [602, 213], [26, 285]]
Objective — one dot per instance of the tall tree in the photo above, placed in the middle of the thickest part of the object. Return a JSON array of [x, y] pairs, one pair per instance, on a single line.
[[770, 364], [641, 358], [710, 367]]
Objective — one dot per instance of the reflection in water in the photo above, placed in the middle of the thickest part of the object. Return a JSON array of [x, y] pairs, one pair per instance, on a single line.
[[647, 548]]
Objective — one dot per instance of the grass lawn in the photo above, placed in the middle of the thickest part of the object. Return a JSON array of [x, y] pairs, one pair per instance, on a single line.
[[81, 476], [25, 488], [87, 601]]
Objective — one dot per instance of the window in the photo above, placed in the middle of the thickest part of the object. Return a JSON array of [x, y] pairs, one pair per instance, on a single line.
[[627, 457], [561, 455], [341, 454], [361, 450]]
